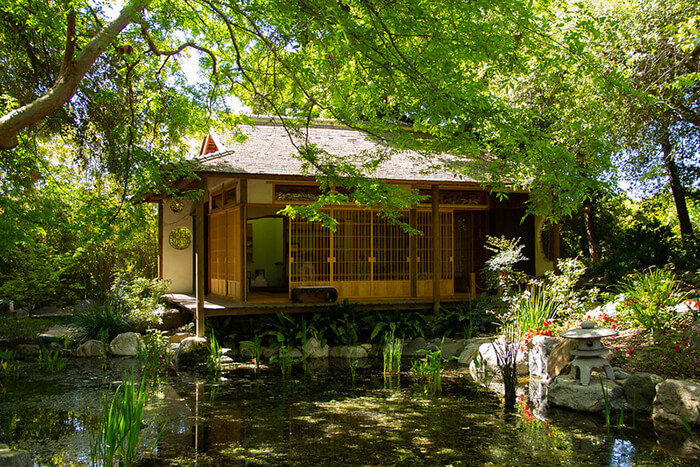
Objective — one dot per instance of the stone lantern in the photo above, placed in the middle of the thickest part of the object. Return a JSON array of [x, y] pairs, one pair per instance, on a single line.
[[590, 351]]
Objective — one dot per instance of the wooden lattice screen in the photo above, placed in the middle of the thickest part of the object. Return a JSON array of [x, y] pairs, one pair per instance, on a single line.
[[225, 252], [366, 256]]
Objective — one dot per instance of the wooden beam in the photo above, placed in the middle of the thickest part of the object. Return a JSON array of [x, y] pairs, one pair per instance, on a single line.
[[160, 239], [199, 264], [437, 251], [413, 253], [243, 196]]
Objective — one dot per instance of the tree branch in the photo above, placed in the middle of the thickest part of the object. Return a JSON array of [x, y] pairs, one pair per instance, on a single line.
[[72, 72]]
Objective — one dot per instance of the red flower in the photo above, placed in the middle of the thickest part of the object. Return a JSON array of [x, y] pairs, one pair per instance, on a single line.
[[677, 347], [630, 352]]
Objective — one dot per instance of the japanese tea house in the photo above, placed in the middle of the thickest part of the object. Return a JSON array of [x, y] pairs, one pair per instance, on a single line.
[[232, 247]]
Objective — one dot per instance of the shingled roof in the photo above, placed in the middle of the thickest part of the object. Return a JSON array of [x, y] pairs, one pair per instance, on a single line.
[[268, 150]]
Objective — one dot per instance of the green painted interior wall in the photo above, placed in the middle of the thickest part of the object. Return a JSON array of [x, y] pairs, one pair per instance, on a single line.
[[268, 249]]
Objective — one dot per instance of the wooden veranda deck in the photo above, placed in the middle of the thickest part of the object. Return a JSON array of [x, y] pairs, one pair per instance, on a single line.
[[271, 303]]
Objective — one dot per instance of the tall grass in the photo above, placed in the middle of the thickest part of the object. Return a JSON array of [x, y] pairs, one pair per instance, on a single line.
[[118, 436], [534, 309], [430, 370], [103, 321], [650, 297], [392, 354]]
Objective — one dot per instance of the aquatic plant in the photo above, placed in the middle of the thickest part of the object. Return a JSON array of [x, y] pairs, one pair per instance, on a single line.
[[606, 399], [152, 353], [284, 361], [118, 435], [392, 354], [255, 348], [482, 367], [214, 357], [506, 350], [8, 362], [429, 369], [54, 361]]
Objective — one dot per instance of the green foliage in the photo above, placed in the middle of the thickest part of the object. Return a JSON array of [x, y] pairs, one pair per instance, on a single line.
[[214, 357], [344, 323], [499, 270], [392, 354], [282, 330], [117, 438], [534, 308], [285, 361], [53, 360], [153, 354], [468, 319], [255, 348], [406, 323], [8, 362], [102, 321], [16, 328], [429, 370], [650, 298], [141, 297]]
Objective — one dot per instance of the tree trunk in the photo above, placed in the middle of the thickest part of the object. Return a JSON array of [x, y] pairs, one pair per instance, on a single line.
[[72, 72], [676, 187], [593, 243]]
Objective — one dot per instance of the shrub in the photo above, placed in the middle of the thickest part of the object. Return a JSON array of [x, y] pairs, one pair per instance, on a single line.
[[534, 308], [650, 298], [468, 319], [102, 321], [141, 297]]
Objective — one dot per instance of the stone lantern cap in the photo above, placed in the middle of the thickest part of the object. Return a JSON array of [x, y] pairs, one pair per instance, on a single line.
[[589, 331]]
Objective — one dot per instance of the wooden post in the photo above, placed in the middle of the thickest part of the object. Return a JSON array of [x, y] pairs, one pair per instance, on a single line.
[[244, 238], [199, 265], [556, 245], [413, 253], [472, 284], [161, 213], [437, 251]]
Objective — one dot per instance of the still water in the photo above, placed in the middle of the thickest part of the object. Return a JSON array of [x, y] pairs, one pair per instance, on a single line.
[[321, 417]]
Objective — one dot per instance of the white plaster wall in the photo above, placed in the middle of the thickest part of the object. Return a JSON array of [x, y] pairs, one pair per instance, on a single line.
[[178, 264], [259, 191], [542, 264]]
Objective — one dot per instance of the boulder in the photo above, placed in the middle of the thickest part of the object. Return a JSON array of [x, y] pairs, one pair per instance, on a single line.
[[179, 337], [640, 390], [126, 344], [91, 348], [488, 352], [411, 349], [173, 318], [538, 356], [620, 374], [84, 305], [676, 402], [452, 349], [559, 361], [45, 310], [28, 350], [295, 353], [351, 352], [567, 392], [313, 349], [10, 458], [471, 350], [191, 353]]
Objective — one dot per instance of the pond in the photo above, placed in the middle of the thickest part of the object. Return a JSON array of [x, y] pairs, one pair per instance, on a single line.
[[321, 417]]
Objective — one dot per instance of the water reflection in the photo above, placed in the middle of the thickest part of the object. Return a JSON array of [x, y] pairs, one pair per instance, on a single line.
[[318, 418]]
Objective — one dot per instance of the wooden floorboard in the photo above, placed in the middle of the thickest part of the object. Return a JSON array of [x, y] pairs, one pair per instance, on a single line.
[[219, 306]]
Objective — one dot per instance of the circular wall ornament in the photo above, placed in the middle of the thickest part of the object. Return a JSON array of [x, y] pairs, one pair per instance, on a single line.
[[180, 238], [176, 205]]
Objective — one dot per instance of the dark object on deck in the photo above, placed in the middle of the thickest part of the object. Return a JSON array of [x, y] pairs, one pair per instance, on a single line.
[[325, 293]]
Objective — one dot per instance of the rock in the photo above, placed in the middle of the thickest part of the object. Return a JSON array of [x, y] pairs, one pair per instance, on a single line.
[[179, 337], [173, 318], [559, 360], [350, 352], [679, 443], [268, 352], [313, 349], [45, 310], [10, 458], [640, 390], [411, 349], [488, 352], [567, 392], [676, 401], [91, 348], [126, 344], [538, 356], [191, 353], [84, 305], [295, 353], [620, 374], [28, 350], [451, 349], [471, 350]]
